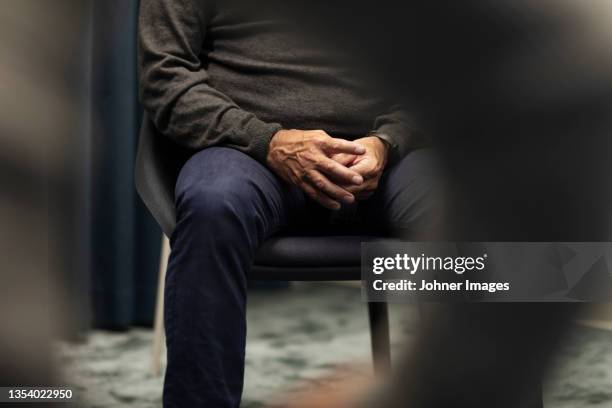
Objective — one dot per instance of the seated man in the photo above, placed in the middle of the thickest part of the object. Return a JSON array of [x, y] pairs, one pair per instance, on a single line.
[[282, 134]]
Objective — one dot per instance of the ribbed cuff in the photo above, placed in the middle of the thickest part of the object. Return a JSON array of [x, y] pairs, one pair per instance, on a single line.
[[261, 133]]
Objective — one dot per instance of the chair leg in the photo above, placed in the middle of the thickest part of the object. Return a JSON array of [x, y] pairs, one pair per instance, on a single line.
[[158, 324], [379, 333]]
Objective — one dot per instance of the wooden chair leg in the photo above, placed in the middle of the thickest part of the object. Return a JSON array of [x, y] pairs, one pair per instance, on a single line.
[[158, 324], [379, 332]]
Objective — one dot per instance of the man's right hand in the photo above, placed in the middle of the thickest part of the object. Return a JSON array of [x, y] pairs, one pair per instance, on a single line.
[[303, 158]]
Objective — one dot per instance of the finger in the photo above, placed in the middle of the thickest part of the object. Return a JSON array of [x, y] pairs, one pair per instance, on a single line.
[[354, 190], [319, 197], [322, 183], [339, 172], [334, 145], [344, 158], [366, 168], [369, 186]]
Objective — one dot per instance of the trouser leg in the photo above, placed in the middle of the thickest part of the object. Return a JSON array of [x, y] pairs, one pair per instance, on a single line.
[[227, 204], [407, 202]]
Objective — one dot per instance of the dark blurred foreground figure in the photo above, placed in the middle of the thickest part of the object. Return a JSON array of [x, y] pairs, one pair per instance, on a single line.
[[39, 123], [517, 97]]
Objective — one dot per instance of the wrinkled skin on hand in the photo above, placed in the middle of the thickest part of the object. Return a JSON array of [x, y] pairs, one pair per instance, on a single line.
[[369, 165], [304, 158]]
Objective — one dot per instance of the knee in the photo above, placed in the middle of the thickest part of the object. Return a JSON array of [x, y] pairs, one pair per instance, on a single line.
[[215, 205], [216, 188]]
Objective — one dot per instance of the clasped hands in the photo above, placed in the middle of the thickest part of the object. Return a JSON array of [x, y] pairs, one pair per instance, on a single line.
[[329, 170]]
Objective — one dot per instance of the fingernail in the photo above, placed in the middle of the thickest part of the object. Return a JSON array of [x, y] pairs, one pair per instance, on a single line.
[[336, 206], [360, 150], [357, 180], [348, 199]]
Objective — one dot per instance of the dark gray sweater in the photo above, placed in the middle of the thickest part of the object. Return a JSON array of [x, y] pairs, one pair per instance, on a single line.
[[212, 74]]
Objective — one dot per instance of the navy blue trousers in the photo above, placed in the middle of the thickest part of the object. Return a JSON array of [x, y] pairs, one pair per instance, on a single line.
[[227, 205]]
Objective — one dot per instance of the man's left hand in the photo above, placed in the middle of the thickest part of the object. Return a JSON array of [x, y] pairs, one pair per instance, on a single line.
[[369, 165]]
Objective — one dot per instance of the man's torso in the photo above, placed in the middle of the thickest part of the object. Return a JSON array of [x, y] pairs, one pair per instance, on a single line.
[[270, 67]]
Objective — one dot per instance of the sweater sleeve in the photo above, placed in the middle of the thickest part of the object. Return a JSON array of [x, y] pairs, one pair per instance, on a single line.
[[175, 89], [399, 129]]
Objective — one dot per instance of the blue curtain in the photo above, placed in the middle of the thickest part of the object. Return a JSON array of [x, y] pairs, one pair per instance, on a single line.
[[125, 241]]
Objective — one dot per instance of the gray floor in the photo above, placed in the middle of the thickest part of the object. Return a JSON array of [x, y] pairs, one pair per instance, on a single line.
[[298, 335]]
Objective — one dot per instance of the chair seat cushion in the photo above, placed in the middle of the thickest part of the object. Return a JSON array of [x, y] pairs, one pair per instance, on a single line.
[[308, 251]]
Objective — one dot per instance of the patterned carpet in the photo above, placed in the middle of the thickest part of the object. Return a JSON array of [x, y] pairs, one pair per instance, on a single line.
[[298, 335]]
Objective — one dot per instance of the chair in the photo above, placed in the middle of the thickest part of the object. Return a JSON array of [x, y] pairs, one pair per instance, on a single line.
[[281, 258], [291, 258]]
